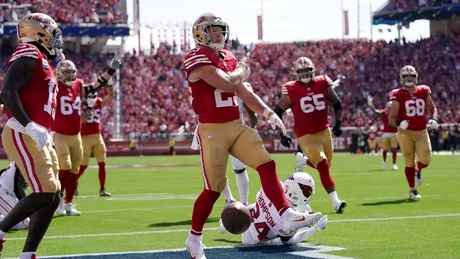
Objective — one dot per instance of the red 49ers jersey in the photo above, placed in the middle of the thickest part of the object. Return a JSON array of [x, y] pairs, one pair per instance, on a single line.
[[211, 104], [68, 112], [93, 124], [412, 106], [387, 128], [39, 96], [309, 104], [372, 134]]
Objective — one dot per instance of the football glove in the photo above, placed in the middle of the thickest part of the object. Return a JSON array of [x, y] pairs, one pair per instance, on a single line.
[[369, 100], [116, 62], [38, 134], [337, 129], [433, 124], [286, 141], [274, 120], [402, 124]]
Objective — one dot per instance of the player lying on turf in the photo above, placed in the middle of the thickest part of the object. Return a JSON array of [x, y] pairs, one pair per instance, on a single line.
[[12, 186], [299, 189]]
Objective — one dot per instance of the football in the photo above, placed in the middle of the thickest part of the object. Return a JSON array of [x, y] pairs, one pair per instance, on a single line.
[[236, 217]]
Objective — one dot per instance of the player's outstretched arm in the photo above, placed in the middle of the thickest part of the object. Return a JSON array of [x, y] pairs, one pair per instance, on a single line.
[[102, 80], [251, 114], [432, 108], [283, 104], [16, 79], [371, 104], [334, 99], [227, 82], [108, 99], [303, 233], [394, 111]]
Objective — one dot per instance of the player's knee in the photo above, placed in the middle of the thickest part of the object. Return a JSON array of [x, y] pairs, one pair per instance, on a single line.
[[410, 163], [219, 184], [239, 171]]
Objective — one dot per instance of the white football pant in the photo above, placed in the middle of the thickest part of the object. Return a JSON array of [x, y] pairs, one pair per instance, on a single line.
[[7, 202]]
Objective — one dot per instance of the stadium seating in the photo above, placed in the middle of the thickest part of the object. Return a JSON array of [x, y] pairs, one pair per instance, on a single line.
[[156, 96]]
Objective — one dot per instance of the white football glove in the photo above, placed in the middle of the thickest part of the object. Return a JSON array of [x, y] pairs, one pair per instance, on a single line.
[[404, 124], [304, 233], [369, 100], [305, 208], [38, 134], [321, 224], [274, 120], [246, 69], [91, 102], [116, 62], [433, 124]]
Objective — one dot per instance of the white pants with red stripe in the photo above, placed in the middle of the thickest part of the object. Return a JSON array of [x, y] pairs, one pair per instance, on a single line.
[[7, 202]]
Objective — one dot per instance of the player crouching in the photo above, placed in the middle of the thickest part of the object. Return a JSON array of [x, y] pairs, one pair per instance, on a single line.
[[265, 227]]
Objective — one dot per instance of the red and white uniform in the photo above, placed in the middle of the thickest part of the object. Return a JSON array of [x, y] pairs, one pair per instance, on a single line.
[[68, 113], [266, 221], [39, 96], [379, 134], [372, 135], [93, 124], [211, 104], [388, 130], [309, 104], [412, 106]]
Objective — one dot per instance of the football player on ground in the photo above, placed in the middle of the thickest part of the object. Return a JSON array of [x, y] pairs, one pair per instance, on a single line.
[[93, 142], [12, 186], [309, 97], [67, 125], [408, 112], [29, 95], [242, 179], [389, 137], [216, 79], [299, 189]]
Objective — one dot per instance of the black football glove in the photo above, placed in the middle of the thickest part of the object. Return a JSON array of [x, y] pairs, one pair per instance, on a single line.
[[337, 128], [285, 140]]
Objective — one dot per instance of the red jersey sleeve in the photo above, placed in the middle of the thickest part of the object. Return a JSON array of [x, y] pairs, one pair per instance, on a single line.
[[25, 50], [195, 59], [393, 95]]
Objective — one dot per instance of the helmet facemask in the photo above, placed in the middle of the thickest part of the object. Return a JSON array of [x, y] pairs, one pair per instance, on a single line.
[[408, 76], [66, 72], [305, 75], [210, 31]]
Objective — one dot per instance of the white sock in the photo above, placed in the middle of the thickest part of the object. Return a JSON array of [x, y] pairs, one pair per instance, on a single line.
[[227, 192], [334, 197], [26, 255], [242, 181], [2, 234]]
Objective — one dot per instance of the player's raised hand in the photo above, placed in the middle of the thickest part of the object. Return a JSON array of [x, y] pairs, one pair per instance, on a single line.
[[369, 100], [275, 121], [116, 62], [286, 141]]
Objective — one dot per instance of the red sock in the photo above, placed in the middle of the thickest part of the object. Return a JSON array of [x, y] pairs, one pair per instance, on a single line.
[[82, 170], [384, 153], [63, 178], [272, 186], [70, 187], [310, 164], [202, 209], [102, 174], [410, 176], [325, 175], [420, 166], [395, 154]]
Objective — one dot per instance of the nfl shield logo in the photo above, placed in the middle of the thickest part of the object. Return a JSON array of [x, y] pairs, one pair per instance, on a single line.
[[45, 63]]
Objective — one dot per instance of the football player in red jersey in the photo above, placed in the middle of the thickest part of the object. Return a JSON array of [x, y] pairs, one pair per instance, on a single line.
[[408, 112], [308, 98], [93, 142], [372, 139], [29, 94], [389, 136], [216, 79], [67, 125]]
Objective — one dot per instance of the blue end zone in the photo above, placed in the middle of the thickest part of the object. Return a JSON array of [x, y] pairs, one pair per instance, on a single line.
[[240, 252]]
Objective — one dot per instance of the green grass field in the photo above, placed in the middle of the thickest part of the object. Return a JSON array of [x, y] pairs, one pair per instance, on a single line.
[[151, 209]]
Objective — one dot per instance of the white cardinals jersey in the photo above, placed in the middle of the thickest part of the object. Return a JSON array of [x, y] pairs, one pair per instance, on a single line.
[[266, 221], [7, 178]]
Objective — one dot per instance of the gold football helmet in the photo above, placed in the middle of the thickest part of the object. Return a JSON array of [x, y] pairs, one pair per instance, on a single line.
[[66, 72], [408, 76], [210, 31], [304, 69], [41, 29]]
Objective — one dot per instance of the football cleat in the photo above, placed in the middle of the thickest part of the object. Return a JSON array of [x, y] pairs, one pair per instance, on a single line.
[[340, 206], [293, 220], [104, 193], [71, 210], [414, 195], [384, 165], [395, 167], [418, 177], [195, 247], [60, 211]]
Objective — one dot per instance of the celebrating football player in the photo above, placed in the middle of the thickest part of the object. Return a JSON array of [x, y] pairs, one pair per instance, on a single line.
[[93, 142], [308, 98], [216, 79], [299, 189], [242, 179], [29, 95], [12, 186], [67, 125], [408, 112], [389, 139]]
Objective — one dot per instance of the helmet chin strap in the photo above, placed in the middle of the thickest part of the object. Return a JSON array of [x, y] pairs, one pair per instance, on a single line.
[[305, 80], [69, 83]]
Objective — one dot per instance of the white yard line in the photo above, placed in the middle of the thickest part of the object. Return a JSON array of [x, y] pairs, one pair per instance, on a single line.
[[212, 229]]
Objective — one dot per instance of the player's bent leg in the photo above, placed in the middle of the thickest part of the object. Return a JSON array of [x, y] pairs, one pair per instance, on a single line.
[[242, 179], [385, 147], [394, 150], [423, 151], [76, 154], [87, 149], [100, 153], [405, 138]]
